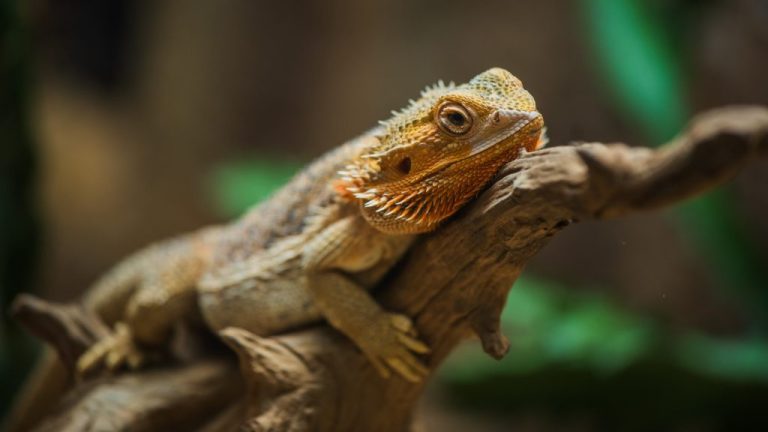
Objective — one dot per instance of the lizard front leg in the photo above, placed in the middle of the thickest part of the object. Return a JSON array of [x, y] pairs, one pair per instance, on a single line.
[[387, 339]]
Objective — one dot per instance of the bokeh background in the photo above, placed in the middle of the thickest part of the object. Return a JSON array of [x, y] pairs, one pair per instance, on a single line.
[[124, 122]]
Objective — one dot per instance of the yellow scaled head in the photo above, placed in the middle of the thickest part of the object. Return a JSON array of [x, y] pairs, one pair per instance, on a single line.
[[439, 152]]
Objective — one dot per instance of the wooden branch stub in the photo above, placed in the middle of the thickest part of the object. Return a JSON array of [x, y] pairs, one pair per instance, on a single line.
[[485, 322], [69, 329], [453, 283]]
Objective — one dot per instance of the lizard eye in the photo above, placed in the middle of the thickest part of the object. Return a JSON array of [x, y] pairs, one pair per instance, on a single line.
[[454, 119]]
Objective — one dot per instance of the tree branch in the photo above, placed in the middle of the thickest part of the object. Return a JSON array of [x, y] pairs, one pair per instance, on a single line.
[[454, 282]]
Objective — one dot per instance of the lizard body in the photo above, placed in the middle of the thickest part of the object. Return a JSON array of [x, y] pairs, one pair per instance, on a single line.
[[317, 246]]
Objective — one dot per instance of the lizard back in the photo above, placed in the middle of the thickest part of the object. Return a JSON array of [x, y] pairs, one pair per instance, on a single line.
[[288, 210]]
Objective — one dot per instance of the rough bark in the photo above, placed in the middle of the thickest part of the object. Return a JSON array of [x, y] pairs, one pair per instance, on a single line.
[[453, 283]]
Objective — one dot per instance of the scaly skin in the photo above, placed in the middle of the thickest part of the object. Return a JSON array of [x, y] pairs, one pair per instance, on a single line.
[[317, 247]]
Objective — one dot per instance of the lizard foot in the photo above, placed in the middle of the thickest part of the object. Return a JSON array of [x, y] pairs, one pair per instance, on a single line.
[[116, 350], [391, 345]]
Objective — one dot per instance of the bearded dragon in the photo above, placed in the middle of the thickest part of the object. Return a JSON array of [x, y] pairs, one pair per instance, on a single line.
[[316, 248]]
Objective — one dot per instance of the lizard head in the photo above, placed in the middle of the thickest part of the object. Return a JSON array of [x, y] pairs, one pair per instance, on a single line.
[[433, 156]]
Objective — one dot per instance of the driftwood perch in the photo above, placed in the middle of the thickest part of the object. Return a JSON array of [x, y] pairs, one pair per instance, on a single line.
[[453, 283]]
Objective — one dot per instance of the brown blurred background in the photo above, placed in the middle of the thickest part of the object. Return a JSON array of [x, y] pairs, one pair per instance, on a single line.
[[144, 116]]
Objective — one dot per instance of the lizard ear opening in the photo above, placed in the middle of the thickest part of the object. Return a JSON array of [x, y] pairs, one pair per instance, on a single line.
[[404, 166]]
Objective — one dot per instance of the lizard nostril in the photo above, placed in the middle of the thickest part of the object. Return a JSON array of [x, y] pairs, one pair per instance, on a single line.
[[496, 117]]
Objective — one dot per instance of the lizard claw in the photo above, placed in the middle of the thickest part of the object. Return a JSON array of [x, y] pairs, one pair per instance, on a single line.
[[113, 352], [401, 322], [391, 347]]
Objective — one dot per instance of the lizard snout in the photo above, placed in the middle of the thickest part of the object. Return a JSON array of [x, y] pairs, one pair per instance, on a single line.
[[508, 117]]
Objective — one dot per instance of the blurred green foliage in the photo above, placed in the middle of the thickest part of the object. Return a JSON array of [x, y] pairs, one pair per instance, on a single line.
[[745, 360], [642, 62], [18, 217], [575, 352], [19, 227], [548, 324], [553, 326], [237, 186], [636, 57]]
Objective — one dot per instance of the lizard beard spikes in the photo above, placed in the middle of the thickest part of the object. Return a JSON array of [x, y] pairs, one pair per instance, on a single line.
[[407, 207], [413, 206], [412, 212], [421, 207]]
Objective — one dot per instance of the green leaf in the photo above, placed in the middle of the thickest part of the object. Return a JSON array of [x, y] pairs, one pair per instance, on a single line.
[[239, 185]]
